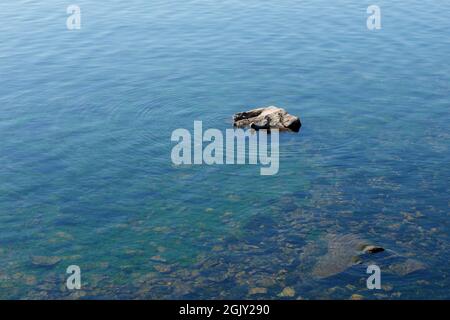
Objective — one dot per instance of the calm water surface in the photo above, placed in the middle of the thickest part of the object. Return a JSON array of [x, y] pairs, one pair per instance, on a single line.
[[86, 176]]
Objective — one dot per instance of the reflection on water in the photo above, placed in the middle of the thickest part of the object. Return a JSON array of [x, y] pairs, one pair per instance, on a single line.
[[86, 176]]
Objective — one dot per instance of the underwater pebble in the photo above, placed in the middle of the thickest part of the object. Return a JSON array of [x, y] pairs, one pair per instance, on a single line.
[[45, 261], [254, 291], [158, 258], [162, 268], [266, 281], [350, 287], [387, 287], [287, 292]]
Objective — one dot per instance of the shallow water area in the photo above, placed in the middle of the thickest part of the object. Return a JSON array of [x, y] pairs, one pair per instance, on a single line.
[[86, 177]]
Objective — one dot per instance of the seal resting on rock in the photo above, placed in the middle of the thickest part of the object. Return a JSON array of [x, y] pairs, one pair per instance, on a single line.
[[267, 118]]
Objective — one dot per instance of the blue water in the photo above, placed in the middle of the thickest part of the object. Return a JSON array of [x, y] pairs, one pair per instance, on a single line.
[[86, 176]]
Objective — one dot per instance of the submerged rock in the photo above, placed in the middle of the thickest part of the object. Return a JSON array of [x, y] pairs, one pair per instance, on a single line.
[[254, 291], [287, 292], [44, 261], [336, 253], [356, 260], [341, 253], [356, 296], [267, 118], [162, 268], [157, 258], [407, 267]]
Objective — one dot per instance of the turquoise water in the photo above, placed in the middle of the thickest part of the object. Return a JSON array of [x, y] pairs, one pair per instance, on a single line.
[[86, 176]]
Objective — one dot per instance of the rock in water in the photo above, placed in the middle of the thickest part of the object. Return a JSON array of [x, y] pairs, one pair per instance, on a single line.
[[372, 249], [267, 118], [407, 267]]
